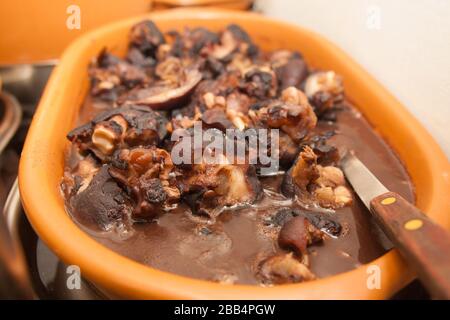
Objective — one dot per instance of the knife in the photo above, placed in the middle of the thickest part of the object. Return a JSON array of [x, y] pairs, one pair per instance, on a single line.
[[423, 244]]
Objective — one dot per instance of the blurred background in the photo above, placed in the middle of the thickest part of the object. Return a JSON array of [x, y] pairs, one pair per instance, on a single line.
[[402, 43], [405, 44]]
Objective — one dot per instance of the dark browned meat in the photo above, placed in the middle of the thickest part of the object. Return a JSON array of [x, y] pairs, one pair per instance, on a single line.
[[216, 118], [214, 181], [102, 203], [292, 114], [148, 176], [146, 37], [290, 68], [110, 76], [119, 128]]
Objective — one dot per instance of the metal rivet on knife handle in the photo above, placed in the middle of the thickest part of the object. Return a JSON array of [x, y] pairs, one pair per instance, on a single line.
[[413, 224], [387, 201]]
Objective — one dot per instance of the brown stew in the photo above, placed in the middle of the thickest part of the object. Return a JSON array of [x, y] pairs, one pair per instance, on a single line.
[[233, 220]]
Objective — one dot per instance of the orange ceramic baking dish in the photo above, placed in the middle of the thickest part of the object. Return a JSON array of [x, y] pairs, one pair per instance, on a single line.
[[42, 162]]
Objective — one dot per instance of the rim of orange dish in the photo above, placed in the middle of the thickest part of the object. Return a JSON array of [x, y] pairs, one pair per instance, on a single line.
[[42, 160]]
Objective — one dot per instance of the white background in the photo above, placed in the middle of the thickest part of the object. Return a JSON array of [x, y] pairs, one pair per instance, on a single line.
[[409, 53]]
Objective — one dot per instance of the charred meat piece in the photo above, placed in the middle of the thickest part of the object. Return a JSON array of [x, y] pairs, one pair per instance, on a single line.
[[210, 181], [237, 106], [150, 199], [151, 161], [211, 68], [222, 86], [325, 224], [138, 59], [324, 90], [313, 183], [259, 82], [117, 128], [112, 75], [216, 118], [102, 203], [284, 215], [200, 38], [146, 37], [288, 150], [305, 169], [283, 268], [218, 94], [170, 70], [148, 175], [213, 187], [246, 44], [176, 75], [146, 127], [290, 68], [189, 44], [234, 39], [326, 154], [292, 114]]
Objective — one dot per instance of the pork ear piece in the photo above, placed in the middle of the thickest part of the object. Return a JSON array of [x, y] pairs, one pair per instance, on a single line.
[[162, 96]]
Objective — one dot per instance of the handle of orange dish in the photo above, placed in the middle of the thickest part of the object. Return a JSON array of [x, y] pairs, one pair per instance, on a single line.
[[424, 244]]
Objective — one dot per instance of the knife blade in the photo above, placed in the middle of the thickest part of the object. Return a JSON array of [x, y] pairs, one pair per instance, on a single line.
[[367, 187]]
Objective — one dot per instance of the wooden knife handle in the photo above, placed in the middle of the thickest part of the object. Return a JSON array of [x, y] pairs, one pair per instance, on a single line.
[[424, 244]]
